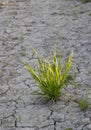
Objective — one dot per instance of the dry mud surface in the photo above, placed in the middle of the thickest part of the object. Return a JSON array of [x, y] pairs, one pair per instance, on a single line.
[[44, 25]]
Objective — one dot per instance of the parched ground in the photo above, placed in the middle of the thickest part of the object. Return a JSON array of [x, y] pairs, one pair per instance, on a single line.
[[44, 25]]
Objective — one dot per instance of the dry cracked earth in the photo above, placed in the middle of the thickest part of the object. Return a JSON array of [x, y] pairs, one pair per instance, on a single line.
[[44, 25]]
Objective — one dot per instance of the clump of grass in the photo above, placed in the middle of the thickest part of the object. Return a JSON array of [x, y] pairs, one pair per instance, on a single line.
[[51, 77], [83, 103], [1, 7], [85, 1], [68, 129], [89, 14]]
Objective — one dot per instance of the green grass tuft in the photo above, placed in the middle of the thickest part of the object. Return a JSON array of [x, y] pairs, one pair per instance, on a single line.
[[68, 129], [83, 103], [85, 1], [51, 77]]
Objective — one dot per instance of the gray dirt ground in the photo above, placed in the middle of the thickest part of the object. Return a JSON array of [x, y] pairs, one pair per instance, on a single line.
[[44, 25]]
